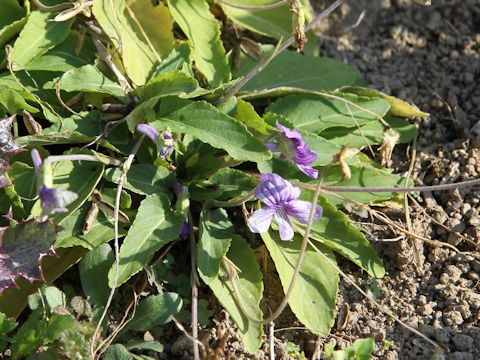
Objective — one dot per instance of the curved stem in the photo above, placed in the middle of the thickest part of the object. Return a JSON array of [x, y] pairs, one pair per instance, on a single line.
[[53, 8], [280, 47], [126, 167]]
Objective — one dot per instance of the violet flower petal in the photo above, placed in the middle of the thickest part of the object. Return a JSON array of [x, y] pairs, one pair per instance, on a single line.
[[284, 226], [37, 160], [260, 220], [309, 171], [273, 190], [300, 210], [149, 131], [55, 200]]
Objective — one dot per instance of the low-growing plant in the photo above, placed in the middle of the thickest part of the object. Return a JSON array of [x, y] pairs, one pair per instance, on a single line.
[[184, 126]]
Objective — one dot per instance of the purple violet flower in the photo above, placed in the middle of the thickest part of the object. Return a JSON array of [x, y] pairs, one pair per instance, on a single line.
[[164, 143], [52, 200], [282, 201], [55, 200], [291, 146]]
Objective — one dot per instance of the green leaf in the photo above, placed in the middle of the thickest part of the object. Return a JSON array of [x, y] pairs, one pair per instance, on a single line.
[[155, 310], [117, 352], [168, 83], [14, 102], [93, 270], [37, 37], [232, 183], [204, 121], [275, 23], [246, 114], [81, 177], [24, 182], [398, 107], [57, 325], [175, 60], [7, 325], [314, 295], [144, 345], [250, 288], [63, 57], [292, 71], [361, 349], [371, 133], [315, 113], [156, 23], [215, 235], [334, 230], [87, 79], [203, 31], [72, 235], [29, 336], [154, 226], [144, 179], [138, 59], [12, 20], [363, 175]]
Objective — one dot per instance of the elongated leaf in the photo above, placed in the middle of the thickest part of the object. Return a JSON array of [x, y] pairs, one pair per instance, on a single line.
[[12, 20], [93, 270], [371, 133], [138, 59], [14, 102], [88, 79], [203, 31], [398, 107], [363, 175], [250, 288], [156, 23], [204, 121], [216, 232], [37, 37], [168, 83], [72, 235], [315, 113], [155, 310], [291, 71], [232, 183], [154, 226], [275, 23], [247, 115], [63, 57], [334, 230], [316, 287], [144, 179]]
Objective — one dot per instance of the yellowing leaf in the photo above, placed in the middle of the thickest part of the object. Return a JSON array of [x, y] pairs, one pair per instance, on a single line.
[[156, 22], [398, 107], [138, 59]]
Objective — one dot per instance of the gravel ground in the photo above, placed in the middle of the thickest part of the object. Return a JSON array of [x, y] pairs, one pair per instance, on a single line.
[[429, 56]]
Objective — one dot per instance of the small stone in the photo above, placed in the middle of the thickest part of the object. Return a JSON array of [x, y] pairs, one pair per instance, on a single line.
[[422, 300], [444, 278], [463, 342], [425, 309], [454, 273], [453, 318]]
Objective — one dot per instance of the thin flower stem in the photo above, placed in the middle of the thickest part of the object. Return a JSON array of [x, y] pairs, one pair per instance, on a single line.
[[359, 189], [126, 167], [279, 49], [83, 157], [194, 283], [53, 8]]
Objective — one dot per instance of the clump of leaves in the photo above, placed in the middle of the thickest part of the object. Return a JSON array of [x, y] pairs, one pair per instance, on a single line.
[[176, 144], [361, 349]]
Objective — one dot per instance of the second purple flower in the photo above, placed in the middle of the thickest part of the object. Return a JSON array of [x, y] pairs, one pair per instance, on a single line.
[[291, 146], [164, 141], [281, 200]]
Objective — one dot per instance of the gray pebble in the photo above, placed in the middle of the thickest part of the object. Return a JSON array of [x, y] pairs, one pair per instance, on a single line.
[[463, 342]]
